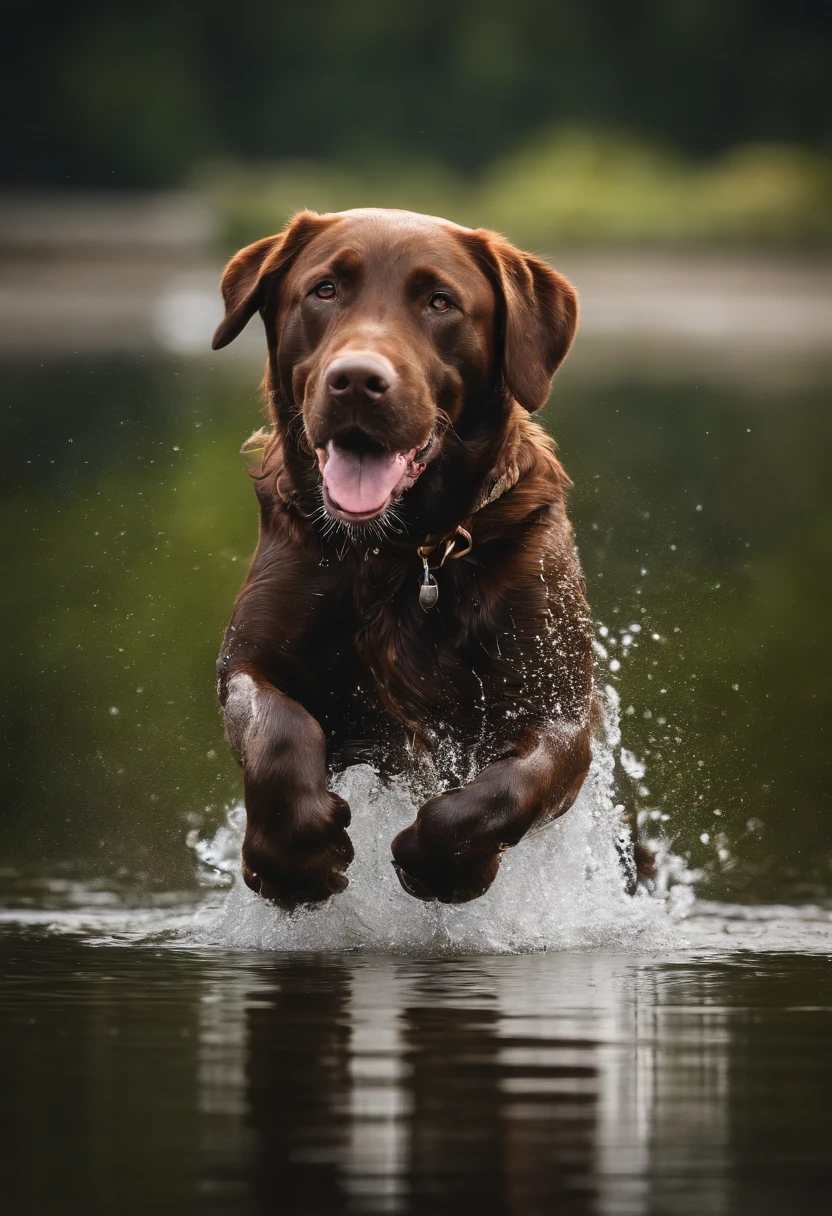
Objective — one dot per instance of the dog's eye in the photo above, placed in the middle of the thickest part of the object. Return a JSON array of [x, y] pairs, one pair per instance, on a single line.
[[326, 291], [439, 302]]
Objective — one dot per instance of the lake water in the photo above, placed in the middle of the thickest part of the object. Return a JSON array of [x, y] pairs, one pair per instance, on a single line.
[[151, 1079], [168, 1042]]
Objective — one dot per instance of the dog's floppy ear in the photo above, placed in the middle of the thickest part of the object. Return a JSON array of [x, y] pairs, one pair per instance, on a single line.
[[254, 269], [540, 316]]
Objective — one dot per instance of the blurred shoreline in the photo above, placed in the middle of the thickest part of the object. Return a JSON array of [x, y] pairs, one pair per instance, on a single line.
[[99, 275]]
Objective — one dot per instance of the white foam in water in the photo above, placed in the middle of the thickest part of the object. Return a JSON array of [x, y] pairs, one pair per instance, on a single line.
[[562, 887]]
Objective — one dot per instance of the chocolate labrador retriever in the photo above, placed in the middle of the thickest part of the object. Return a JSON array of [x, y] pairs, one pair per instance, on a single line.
[[415, 589]]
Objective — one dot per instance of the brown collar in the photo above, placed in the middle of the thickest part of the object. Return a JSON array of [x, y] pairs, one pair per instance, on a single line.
[[456, 543], [450, 542]]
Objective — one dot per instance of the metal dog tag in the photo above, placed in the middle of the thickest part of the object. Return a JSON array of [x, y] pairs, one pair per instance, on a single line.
[[429, 591]]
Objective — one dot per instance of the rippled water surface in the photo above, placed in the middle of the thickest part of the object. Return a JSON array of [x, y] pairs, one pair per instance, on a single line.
[[148, 1079], [170, 1043]]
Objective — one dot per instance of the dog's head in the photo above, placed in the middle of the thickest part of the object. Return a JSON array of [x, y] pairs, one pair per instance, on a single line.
[[384, 327]]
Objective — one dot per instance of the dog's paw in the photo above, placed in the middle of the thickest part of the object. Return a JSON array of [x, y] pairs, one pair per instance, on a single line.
[[429, 870], [304, 865]]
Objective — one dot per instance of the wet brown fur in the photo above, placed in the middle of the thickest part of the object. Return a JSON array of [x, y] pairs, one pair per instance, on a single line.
[[495, 684]]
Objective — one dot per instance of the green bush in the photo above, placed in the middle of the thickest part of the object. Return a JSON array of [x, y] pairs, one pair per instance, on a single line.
[[572, 187]]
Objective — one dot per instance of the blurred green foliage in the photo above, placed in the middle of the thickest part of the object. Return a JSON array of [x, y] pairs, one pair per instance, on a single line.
[[567, 187], [96, 94]]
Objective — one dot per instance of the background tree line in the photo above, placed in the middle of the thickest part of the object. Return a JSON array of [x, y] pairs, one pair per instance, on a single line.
[[100, 95]]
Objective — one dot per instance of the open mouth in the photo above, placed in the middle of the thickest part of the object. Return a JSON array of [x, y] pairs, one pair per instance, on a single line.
[[361, 479]]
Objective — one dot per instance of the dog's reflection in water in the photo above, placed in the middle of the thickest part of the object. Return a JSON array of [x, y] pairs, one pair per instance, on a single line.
[[398, 1087]]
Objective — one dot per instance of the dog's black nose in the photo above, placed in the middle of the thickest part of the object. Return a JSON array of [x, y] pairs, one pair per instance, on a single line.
[[359, 377]]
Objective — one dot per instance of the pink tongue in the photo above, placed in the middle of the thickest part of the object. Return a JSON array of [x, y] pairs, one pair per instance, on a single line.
[[360, 482]]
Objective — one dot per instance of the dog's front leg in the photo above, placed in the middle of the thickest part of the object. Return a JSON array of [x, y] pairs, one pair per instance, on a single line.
[[296, 846], [452, 851]]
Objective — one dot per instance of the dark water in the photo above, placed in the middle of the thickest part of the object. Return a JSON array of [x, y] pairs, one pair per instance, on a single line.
[[149, 1076], [142, 1080], [704, 516]]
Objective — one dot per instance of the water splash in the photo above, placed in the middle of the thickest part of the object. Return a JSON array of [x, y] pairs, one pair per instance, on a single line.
[[563, 887]]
